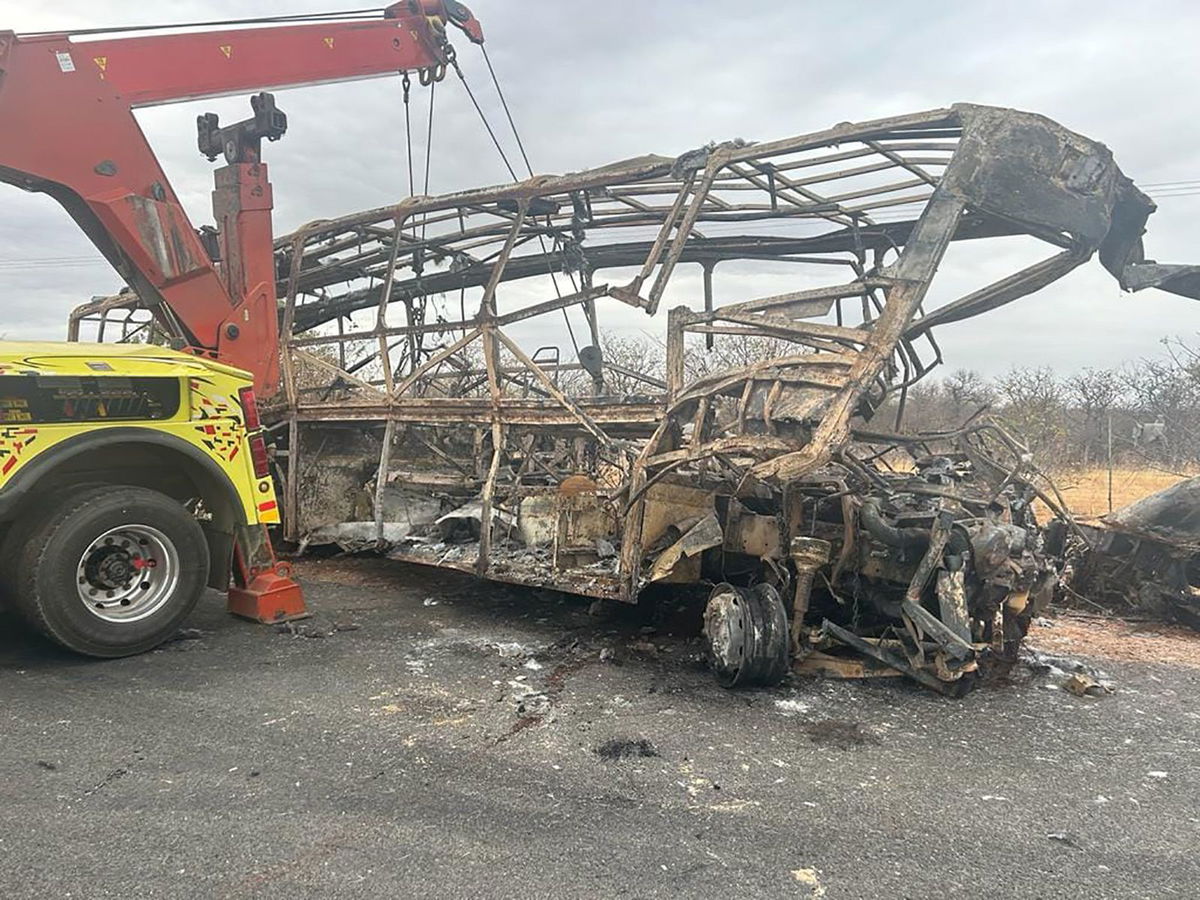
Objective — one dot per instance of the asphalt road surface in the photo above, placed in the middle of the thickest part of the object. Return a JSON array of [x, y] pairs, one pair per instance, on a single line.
[[426, 735]]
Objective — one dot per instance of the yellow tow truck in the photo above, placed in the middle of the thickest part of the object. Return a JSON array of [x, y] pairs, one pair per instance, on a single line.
[[131, 476]]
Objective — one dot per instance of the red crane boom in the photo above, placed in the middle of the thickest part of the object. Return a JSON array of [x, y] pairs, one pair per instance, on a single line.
[[67, 129]]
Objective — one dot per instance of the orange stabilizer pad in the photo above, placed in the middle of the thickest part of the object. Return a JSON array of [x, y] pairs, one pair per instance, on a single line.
[[270, 597]]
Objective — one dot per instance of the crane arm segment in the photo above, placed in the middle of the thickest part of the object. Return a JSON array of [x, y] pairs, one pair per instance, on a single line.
[[67, 129], [147, 71]]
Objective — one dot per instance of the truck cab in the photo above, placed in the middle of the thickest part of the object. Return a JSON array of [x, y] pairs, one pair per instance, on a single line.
[[131, 477]]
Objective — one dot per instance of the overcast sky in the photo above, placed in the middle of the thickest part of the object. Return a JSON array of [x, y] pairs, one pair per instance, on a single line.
[[591, 82]]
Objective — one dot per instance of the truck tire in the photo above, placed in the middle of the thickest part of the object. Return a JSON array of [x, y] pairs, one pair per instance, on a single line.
[[17, 533], [110, 571]]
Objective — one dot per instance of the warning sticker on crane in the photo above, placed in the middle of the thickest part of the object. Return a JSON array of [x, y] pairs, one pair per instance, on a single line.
[[227, 49], [65, 63]]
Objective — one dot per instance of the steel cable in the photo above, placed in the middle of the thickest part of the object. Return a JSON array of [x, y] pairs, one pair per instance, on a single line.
[[512, 172]]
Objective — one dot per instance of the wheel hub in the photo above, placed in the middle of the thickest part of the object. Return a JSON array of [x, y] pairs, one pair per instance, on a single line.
[[127, 573], [114, 568]]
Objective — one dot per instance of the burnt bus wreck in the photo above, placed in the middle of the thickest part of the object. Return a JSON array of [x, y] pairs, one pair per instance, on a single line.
[[1144, 558], [415, 420]]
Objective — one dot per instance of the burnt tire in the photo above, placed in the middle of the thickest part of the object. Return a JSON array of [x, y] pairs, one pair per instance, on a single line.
[[109, 571], [746, 634]]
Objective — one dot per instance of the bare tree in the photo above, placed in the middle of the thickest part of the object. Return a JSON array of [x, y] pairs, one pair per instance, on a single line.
[[967, 388], [1034, 401], [730, 352], [939, 405], [1095, 394], [1166, 392]]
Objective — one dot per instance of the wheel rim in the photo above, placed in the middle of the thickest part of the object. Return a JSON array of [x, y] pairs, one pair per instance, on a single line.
[[747, 635], [725, 629], [127, 573]]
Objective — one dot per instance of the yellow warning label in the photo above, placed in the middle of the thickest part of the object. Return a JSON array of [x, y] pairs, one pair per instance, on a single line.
[[101, 61], [227, 49], [328, 42]]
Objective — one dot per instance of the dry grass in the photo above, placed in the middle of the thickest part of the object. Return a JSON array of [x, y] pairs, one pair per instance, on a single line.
[[1086, 490], [1071, 634]]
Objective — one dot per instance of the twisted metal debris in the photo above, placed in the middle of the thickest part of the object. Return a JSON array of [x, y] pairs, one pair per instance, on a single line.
[[413, 418]]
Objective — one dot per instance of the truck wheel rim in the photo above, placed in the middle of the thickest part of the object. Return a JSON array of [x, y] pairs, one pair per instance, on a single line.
[[128, 573]]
